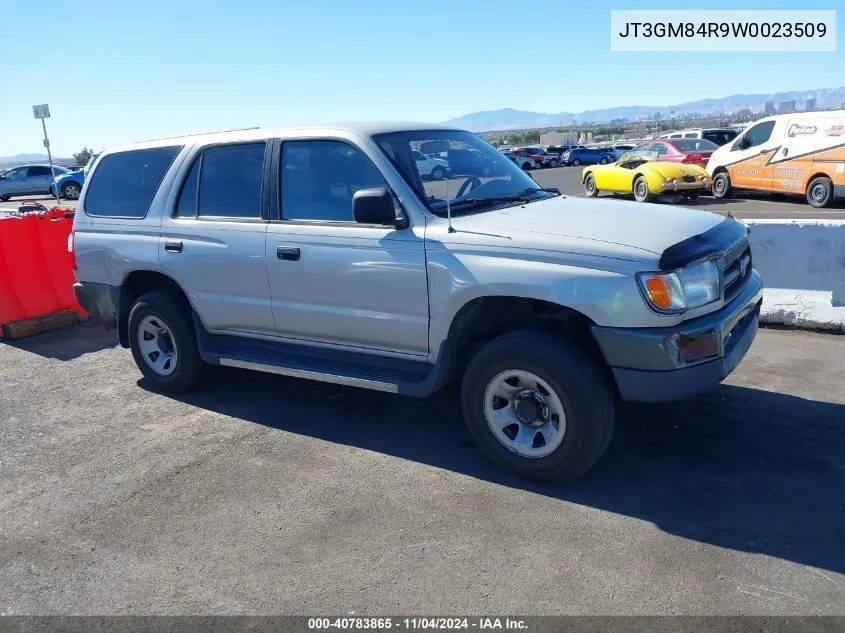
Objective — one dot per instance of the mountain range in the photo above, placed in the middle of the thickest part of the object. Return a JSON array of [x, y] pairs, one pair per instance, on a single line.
[[23, 159], [510, 119]]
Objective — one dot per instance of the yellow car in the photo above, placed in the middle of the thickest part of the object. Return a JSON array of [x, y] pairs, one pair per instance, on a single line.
[[639, 172]]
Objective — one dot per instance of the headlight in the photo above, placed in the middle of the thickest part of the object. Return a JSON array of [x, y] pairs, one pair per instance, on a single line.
[[681, 290]]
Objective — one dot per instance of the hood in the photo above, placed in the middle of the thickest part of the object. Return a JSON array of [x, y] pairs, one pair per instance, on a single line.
[[550, 223]]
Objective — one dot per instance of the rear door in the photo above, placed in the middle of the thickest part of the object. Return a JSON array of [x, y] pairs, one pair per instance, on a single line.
[[212, 240], [792, 163], [38, 179]]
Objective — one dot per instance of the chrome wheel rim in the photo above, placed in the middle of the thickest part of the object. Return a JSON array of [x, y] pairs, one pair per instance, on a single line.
[[819, 193], [524, 413], [642, 189], [591, 184], [72, 192], [157, 345], [719, 185]]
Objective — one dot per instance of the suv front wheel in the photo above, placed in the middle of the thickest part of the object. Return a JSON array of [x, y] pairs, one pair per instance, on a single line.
[[163, 342], [536, 405]]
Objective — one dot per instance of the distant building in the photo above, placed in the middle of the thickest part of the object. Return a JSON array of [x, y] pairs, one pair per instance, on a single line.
[[655, 116], [769, 108], [619, 121], [558, 138], [810, 104], [786, 107], [744, 112]]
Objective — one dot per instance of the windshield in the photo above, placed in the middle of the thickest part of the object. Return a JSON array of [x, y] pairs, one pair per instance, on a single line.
[[695, 145], [477, 176]]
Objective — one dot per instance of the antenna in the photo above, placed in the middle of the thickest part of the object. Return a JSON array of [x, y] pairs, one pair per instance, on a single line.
[[448, 207]]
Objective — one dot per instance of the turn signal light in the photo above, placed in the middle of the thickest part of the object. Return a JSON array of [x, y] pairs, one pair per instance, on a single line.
[[659, 292]]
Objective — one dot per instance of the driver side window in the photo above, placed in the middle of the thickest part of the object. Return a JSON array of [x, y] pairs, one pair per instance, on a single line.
[[319, 179], [755, 136]]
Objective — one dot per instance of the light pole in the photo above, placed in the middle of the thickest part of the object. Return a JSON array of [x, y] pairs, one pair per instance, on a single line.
[[43, 112]]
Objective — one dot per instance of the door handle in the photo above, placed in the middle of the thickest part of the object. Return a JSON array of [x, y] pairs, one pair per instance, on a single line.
[[287, 253], [173, 246]]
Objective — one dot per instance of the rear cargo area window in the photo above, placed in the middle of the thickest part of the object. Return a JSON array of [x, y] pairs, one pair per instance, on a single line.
[[124, 184]]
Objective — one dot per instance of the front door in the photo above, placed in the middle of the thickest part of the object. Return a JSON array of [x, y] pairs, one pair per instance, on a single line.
[[750, 156], [335, 281], [14, 182]]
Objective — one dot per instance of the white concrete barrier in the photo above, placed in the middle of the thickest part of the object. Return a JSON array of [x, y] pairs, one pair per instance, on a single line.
[[802, 263]]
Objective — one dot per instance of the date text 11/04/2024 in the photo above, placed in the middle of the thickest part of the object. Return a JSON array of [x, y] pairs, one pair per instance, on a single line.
[[724, 29], [417, 624]]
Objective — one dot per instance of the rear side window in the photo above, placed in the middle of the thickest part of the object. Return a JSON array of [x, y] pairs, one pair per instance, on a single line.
[[225, 181], [125, 183]]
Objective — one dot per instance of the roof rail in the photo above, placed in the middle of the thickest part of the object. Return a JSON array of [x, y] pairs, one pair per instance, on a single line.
[[164, 138]]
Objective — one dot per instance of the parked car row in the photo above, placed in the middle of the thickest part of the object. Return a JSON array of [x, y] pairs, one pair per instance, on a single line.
[[799, 154], [28, 180]]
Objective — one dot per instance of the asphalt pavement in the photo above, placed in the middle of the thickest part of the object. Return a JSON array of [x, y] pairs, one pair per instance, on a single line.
[[264, 494]]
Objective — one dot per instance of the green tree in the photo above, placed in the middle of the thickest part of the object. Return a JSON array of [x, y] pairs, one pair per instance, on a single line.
[[82, 157]]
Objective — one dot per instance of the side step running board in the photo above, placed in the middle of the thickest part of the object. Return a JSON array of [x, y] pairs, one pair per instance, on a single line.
[[341, 367], [349, 381]]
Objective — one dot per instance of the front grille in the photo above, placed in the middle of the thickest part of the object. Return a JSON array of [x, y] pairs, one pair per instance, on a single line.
[[736, 269], [689, 178]]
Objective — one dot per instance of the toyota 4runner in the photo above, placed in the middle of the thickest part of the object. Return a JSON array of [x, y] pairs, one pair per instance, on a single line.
[[322, 253]]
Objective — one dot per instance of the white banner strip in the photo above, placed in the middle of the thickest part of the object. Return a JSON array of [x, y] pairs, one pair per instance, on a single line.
[[723, 31]]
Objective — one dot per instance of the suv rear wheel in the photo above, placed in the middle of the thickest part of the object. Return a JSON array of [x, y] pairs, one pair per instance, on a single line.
[[163, 342], [538, 406]]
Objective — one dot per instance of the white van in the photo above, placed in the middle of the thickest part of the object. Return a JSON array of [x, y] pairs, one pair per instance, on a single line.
[[801, 153], [720, 136]]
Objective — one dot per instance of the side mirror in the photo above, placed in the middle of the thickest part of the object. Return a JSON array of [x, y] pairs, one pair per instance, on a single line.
[[374, 206]]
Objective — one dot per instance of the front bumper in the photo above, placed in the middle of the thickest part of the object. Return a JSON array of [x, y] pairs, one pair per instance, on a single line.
[[668, 364]]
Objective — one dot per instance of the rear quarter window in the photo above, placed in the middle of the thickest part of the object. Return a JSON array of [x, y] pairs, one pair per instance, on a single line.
[[124, 184]]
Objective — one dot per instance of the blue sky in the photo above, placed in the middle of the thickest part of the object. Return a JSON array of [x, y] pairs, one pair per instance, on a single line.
[[145, 69]]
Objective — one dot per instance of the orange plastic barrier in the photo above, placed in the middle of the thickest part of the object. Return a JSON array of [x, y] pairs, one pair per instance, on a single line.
[[36, 270]]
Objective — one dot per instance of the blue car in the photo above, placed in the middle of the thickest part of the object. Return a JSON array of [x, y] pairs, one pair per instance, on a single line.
[[69, 184], [584, 156]]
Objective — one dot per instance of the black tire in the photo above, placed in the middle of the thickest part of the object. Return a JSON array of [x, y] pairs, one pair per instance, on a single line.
[[576, 162], [4, 198], [590, 186], [641, 190], [71, 190], [692, 196], [438, 173], [553, 162], [820, 192], [576, 380], [170, 308], [603, 161], [526, 166], [721, 186]]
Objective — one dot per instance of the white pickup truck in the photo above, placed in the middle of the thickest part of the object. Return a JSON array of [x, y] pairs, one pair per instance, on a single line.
[[328, 254]]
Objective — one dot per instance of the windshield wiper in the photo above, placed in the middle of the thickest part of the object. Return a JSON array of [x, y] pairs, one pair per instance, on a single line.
[[522, 196]]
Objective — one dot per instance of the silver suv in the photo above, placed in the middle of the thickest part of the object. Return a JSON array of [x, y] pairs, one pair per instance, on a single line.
[[323, 253]]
